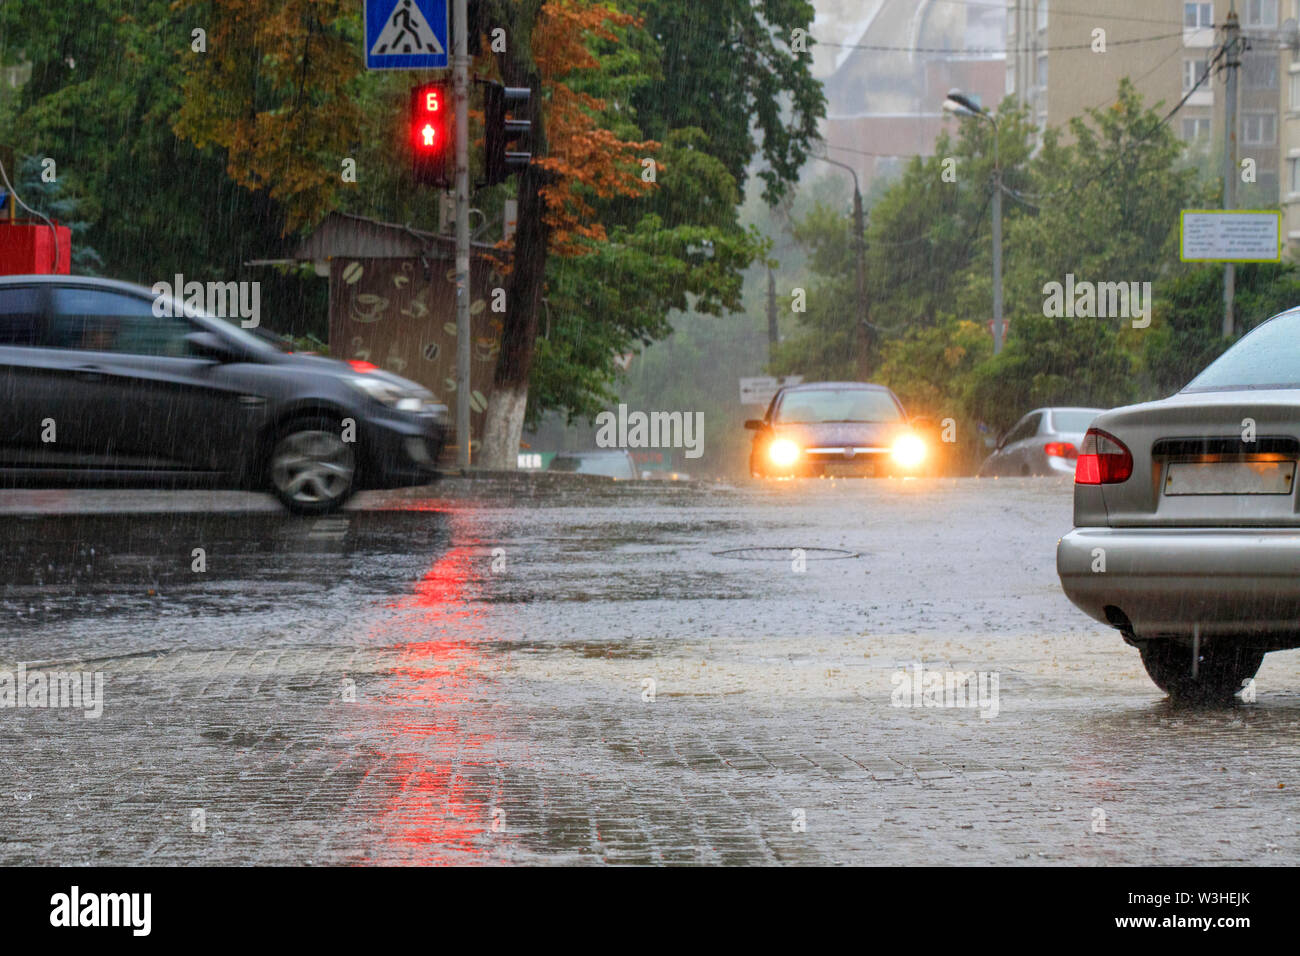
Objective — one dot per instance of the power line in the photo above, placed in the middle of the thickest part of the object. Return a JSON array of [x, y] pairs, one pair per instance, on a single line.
[[884, 48], [1062, 13], [863, 152]]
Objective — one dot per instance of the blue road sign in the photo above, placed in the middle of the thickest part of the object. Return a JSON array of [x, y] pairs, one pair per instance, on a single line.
[[407, 34]]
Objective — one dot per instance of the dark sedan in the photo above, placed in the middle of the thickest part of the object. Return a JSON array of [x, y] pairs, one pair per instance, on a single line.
[[828, 429], [97, 388]]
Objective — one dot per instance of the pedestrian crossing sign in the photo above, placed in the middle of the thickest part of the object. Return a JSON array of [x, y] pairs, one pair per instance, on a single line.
[[407, 34]]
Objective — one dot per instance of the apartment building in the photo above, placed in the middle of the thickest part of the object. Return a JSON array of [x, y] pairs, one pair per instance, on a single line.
[[1164, 47], [1290, 128]]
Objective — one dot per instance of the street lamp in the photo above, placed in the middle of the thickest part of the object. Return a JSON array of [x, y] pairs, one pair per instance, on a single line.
[[859, 242], [962, 105]]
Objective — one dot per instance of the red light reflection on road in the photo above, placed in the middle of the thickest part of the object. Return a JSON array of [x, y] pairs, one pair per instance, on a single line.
[[435, 747]]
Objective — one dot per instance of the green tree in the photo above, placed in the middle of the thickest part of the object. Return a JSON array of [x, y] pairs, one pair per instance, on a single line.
[[1186, 331], [736, 68], [679, 246], [53, 200]]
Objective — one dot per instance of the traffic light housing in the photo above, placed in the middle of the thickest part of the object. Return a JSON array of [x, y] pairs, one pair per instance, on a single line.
[[432, 139], [501, 132]]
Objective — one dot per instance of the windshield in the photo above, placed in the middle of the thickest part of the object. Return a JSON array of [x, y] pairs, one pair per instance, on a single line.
[[816, 406], [1269, 357], [1073, 421]]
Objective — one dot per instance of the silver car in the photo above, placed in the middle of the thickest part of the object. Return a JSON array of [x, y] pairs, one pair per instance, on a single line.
[[1044, 442], [613, 463], [1187, 521]]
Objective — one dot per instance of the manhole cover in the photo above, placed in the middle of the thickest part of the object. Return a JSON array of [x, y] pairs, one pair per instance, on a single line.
[[785, 554]]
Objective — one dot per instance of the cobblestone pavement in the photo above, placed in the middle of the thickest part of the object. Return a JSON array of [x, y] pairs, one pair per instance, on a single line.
[[489, 674]]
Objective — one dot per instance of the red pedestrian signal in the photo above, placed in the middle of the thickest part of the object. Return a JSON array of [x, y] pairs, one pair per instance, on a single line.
[[431, 137]]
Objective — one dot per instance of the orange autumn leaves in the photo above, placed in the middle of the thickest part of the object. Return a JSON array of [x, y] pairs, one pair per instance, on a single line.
[[277, 93], [585, 160], [283, 98]]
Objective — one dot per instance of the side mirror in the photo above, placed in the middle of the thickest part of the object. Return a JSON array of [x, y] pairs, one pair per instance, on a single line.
[[1001, 442], [209, 345], [756, 424]]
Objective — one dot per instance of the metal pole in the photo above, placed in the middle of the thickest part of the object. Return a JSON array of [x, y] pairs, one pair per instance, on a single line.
[[997, 242], [773, 333], [859, 239], [1232, 61], [859, 231], [460, 77]]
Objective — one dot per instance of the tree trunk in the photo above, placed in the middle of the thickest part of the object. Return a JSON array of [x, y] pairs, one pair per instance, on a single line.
[[504, 422], [503, 427]]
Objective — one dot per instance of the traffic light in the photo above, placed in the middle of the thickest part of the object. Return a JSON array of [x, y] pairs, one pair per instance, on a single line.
[[501, 132], [431, 134]]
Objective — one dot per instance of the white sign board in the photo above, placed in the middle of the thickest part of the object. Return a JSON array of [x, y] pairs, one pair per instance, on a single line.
[[1210, 235], [759, 391]]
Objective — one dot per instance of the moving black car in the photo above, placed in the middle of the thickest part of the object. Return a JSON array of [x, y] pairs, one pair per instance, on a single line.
[[97, 388]]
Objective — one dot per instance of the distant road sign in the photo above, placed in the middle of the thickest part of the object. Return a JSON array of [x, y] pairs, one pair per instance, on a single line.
[[759, 391], [406, 34], [1218, 235]]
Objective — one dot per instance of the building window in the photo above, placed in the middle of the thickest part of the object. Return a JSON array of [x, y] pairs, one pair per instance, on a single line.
[[1197, 16], [1196, 130], [1260, 72], [1295, 92], [1259, 129], [1193, 72], [1011, 80], [1042, 71], [1293, 175], [1042, 14], [1261, 13]]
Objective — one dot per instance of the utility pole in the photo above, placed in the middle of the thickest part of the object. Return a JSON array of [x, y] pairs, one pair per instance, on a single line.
[[1232, 61], [860, 255], [999, 327], [773, 333], [460, 77]]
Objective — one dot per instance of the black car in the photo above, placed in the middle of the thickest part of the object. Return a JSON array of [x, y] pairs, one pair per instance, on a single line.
[[826, 429], [97, 388]]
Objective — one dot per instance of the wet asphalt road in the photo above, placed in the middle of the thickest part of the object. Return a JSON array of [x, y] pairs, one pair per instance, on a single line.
[[484, 673]]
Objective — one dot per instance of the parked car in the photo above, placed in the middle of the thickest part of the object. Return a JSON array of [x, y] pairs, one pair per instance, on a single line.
[[610, 462], [98, 389], [1187, 525], [1044, 442], [824, 429]]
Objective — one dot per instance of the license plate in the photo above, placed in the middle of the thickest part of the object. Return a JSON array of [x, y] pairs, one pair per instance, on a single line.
[[1230, 478], [851, 469]]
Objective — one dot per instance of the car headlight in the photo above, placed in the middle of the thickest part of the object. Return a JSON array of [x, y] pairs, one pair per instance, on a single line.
[[386, 393], [909, 451], [783, 452]]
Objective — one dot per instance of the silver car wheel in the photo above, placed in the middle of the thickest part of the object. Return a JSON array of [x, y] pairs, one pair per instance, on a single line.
[[312, 467]]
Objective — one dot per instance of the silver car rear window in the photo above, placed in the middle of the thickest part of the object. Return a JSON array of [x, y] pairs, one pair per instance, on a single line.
[[1269, 357]]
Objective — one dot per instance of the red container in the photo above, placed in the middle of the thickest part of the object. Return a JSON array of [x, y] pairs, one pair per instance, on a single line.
[[27, 248]]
